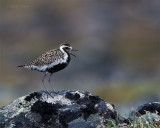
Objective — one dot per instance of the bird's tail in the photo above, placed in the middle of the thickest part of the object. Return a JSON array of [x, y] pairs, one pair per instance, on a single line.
[[20, 66]]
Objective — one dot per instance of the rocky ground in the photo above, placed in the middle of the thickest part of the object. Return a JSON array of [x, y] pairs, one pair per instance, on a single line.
[[72, 109]]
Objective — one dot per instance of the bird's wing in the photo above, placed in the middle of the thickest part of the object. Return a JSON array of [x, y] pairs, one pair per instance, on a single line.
[[47, 58]]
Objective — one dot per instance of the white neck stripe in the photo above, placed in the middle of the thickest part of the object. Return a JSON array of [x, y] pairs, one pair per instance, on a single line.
[[61, 48]]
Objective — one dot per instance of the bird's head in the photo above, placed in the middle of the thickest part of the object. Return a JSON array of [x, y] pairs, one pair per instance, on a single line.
[[67, 48]]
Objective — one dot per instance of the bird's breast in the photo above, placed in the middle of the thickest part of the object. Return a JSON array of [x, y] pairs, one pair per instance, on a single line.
[[57, 67]]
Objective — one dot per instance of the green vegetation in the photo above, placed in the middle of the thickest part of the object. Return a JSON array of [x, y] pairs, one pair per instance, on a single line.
[[148, 120], [136, 124]]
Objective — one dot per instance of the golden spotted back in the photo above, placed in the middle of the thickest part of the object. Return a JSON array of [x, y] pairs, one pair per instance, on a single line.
[[47, 58]]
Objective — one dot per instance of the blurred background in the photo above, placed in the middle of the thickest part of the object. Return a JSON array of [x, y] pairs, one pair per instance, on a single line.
[[118, 43]]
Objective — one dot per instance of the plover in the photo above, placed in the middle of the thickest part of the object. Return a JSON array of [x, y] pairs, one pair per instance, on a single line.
[[51, 61]]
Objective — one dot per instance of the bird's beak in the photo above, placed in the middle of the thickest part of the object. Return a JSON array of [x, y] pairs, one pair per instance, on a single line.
[[72, 53]]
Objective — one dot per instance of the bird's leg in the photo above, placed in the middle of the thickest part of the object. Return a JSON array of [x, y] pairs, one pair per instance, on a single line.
[[49, 80], [45, 85]]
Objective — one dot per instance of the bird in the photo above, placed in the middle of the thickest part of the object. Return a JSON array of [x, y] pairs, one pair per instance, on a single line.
[[51, 61]]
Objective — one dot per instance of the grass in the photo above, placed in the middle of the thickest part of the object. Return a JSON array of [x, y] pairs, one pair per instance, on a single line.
[[135, 125], [148, 120]]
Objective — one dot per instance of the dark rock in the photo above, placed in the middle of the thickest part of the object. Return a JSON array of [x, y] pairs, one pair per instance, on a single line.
[[153, 107], [33, 95], [148, 113], [72, 109]]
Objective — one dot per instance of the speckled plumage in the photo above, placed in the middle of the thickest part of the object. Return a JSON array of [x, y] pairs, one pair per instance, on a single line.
[[51, 61], [47, 58]]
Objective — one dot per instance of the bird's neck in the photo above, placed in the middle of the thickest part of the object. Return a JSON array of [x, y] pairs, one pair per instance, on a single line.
[[62, 50], [66, 53]]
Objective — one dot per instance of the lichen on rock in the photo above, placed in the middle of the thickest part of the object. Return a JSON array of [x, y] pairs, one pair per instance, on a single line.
[[70, 109]]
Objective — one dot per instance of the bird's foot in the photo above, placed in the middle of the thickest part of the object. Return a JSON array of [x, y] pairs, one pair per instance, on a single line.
[[49, 94]]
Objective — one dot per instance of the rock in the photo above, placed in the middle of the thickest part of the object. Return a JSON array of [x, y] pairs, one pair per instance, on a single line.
[[148, 113], [72, 109], [153, 107]]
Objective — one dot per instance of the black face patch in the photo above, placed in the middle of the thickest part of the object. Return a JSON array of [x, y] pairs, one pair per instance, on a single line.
[[66, 48]]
